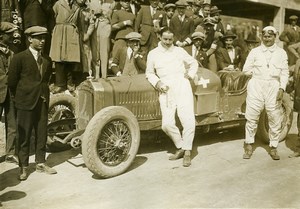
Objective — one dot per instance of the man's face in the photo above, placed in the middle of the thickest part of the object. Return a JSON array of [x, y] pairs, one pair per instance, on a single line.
[[268, 39], [7, 38], [228, 42], [195, 9], [124, 4], [167, 39], [154, 3], [198, 42], [293, 22], [216, 17], [37, 42], [206, 10], [134, 44], [181, 10], [170, 13]]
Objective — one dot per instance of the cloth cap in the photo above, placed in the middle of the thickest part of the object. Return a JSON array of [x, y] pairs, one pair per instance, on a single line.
[[206, 2], [198, 35], [293, 17], [133, 36], [215, 10], [7, 29], [36, 30], [270, 30], [170, 5], [181, 3], [228, 34]]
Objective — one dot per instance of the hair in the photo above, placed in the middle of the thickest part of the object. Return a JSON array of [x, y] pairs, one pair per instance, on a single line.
[[165, 30]]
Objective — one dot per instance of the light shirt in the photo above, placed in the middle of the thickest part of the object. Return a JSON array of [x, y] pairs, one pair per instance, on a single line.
[[129, 52], [169, 64], [35, 53], [194, 51], [268, 63], [152, 10], [231, 53]]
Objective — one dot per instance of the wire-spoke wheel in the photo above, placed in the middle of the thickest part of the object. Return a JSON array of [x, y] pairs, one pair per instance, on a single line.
[[111, 141]]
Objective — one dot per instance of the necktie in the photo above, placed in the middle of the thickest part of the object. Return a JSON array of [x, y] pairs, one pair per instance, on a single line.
[[40, 62]]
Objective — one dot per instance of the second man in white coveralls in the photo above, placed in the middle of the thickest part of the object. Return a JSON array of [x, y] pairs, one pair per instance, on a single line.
[[167, 73], [268, 65]]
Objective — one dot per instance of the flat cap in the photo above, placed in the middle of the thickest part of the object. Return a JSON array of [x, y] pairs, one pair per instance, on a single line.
[[7, 28], [198, 35], [293, 17], [36, 30], [168, 6], [215, 10], [270, 30], [181, 3], [133, 36]]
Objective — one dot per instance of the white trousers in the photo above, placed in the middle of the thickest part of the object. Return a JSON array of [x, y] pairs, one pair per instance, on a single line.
[[262, 94], [179, 97]]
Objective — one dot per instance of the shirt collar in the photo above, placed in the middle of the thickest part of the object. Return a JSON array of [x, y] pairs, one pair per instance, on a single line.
[[34, 52], [271, 48]]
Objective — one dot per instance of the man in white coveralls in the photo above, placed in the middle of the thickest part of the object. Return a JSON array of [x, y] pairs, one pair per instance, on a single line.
[[169, 69], [268, 65]]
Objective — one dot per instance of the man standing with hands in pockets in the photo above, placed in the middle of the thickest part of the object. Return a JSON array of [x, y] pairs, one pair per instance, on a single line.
[[166, 71]]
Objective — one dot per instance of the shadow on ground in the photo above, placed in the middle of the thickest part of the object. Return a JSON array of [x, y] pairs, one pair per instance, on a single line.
[[11, 195]]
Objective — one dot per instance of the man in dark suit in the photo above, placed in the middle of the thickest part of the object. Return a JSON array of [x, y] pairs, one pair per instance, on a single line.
[[28, 78], [6, 103], [182, 26], [130, 60], [229, 57], [144, 24]]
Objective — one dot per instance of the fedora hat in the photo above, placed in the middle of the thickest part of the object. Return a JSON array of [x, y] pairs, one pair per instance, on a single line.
[[252, 39], [215, 10], [228, 34]]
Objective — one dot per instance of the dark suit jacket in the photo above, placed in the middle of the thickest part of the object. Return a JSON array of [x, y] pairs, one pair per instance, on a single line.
[[181, 30], [144, 22], [201, 57], [290, 35], [35, 13], [120, 59], [25, 81], [223, 59], [3, 74]]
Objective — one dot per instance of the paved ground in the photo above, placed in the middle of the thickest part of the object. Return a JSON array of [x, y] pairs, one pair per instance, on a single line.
[[218, 178]]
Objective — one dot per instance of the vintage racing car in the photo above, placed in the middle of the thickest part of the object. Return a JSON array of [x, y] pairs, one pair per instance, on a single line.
[[107, 115]]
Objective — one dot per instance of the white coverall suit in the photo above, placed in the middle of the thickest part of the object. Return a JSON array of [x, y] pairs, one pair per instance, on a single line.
[[168, 66], [269, 69]]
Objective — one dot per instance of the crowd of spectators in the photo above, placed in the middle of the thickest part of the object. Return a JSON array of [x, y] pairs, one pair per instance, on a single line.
[[86, 37]]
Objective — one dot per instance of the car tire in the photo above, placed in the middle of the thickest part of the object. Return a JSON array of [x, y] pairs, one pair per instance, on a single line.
[[263, 126], [61, 107], [111, 141]]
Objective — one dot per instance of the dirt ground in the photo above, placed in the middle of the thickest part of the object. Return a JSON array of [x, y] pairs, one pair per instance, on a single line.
[[218, 178]]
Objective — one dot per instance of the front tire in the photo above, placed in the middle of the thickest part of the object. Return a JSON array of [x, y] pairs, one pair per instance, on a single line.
[[263, 125], [111, 141]]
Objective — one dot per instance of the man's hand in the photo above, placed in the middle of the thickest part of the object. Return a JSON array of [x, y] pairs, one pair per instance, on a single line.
[[279, 95], [7, 26], [161, 87]]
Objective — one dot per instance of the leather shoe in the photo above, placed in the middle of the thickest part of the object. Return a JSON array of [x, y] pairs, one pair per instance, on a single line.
[[248, 151], [58, 89], [12, 159], [274, 154], [187, 159], [43, 168], [178, 154], [23, 173]]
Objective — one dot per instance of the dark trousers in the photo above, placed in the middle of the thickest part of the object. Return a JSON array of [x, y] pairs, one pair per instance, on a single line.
[[64, 74], [10, 124], [26, 121]]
